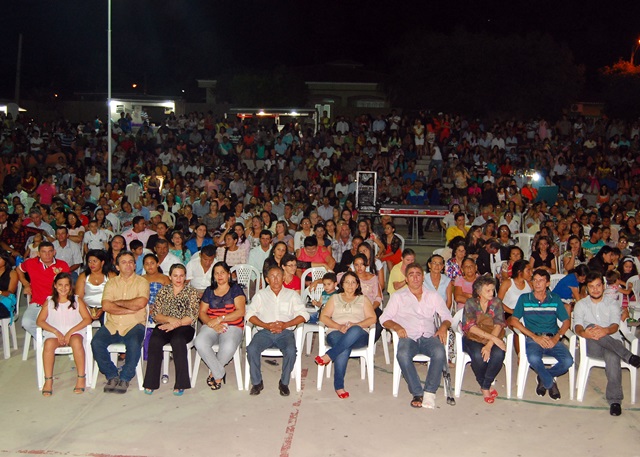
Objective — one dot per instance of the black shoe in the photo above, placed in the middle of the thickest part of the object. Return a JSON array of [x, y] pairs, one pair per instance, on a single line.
[[256, 389], [554, 392], [122, 387], [540, 389], [111, 385], [615, 409], [284, 389], [634, 361]]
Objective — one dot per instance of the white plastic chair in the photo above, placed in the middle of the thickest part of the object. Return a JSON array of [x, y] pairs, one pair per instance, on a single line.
[[64, 350], [236, 364], [523, 366], [523, 241], [9, 328], [309, 329], [167, 351], [296, 373], [438, 251], [365, 354], [401, 241], [115, 350], [462, 358], [555, 279], [634, 282], [246, 276], [588, 362], [315, 272], [397, 372]]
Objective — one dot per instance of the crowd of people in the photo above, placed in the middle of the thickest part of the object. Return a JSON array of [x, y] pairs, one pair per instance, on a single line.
[[196, 196]]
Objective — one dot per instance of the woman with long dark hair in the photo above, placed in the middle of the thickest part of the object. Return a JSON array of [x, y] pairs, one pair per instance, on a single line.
[[222, 309]]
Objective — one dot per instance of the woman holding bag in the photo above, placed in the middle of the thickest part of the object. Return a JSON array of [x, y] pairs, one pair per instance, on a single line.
[[483, 325]]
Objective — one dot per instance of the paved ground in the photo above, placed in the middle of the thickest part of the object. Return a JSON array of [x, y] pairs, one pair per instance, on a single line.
[[308, 423]]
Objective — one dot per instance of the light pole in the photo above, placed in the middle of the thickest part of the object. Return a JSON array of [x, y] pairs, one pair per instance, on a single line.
[[109, 139], [634, 50]]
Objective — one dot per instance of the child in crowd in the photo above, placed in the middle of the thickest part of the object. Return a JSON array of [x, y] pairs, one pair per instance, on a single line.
[[329, 282], [95, 238], [63, 320], [32, 249], [616, 290]]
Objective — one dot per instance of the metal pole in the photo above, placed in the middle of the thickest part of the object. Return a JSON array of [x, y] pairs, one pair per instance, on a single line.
[[109, 139], [18, 68]]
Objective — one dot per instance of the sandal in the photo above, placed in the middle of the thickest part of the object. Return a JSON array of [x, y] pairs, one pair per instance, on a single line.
[[211, 381], [178, 392], [215, 385], [79, 390], [489, 399], [148, 391], [494, 393], [416, 402], [47, 393]]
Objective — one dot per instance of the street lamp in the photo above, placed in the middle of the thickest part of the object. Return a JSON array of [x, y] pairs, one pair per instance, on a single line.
[[634, 50]]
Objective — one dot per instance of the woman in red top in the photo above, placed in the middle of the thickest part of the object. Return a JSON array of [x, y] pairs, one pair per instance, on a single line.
[[291, 280]]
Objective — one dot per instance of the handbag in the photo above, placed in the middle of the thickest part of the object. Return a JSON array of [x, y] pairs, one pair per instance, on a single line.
[[484, 322]]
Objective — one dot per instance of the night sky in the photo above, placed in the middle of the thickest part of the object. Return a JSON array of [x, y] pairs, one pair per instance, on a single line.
[[169, 44]]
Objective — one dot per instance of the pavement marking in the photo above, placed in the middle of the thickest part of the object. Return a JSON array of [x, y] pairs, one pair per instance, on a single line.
[[293, 418]]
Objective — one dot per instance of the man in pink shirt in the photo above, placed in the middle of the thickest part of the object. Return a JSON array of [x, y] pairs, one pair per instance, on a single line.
[[410, 312], [138, 231], [46, 190]]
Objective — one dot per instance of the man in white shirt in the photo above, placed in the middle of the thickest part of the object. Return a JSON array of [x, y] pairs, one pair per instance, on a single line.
[[597, 319], [200, 267], [342, 126], [259, 254], [68, 250], [276, 311], [36, 221], [165, 258]]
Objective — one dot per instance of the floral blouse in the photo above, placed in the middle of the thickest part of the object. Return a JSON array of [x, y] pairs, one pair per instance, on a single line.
[[186, 303], [472, 309], [452, 269]]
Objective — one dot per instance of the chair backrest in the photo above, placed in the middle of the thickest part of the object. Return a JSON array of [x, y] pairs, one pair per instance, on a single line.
[[248, 275], [315, 272], [401, 242], [634, 282], [555, 279], [438, 251], [314, 294], [524, 242]]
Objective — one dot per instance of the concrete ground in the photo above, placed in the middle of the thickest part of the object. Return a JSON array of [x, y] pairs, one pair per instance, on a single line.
[[307, 423]]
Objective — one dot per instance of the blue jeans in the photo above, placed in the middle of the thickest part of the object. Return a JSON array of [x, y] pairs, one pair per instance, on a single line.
[[431, 347], [341, 344], [485, 372], [535, 352], [132, 342], [264, 339]]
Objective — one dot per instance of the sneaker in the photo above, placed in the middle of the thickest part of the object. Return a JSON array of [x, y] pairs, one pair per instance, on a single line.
[[111, 385], [615, 409], [122, 387], [540, 389], [429, 400], [554, 392], [634, 361]]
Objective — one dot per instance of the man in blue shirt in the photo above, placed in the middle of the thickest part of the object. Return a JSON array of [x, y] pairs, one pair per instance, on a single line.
[[541, 311]]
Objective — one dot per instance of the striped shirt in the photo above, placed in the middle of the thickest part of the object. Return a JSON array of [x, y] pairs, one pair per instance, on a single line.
[[540, 316]]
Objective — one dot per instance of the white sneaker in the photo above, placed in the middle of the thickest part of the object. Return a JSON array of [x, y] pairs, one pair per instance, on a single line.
[[429, 400]]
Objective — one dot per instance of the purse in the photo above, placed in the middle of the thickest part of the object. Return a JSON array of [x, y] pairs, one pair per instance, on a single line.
[[484, 322]]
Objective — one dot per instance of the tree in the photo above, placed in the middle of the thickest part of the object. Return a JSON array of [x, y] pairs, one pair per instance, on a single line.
[[621, 89], [480, 74]]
